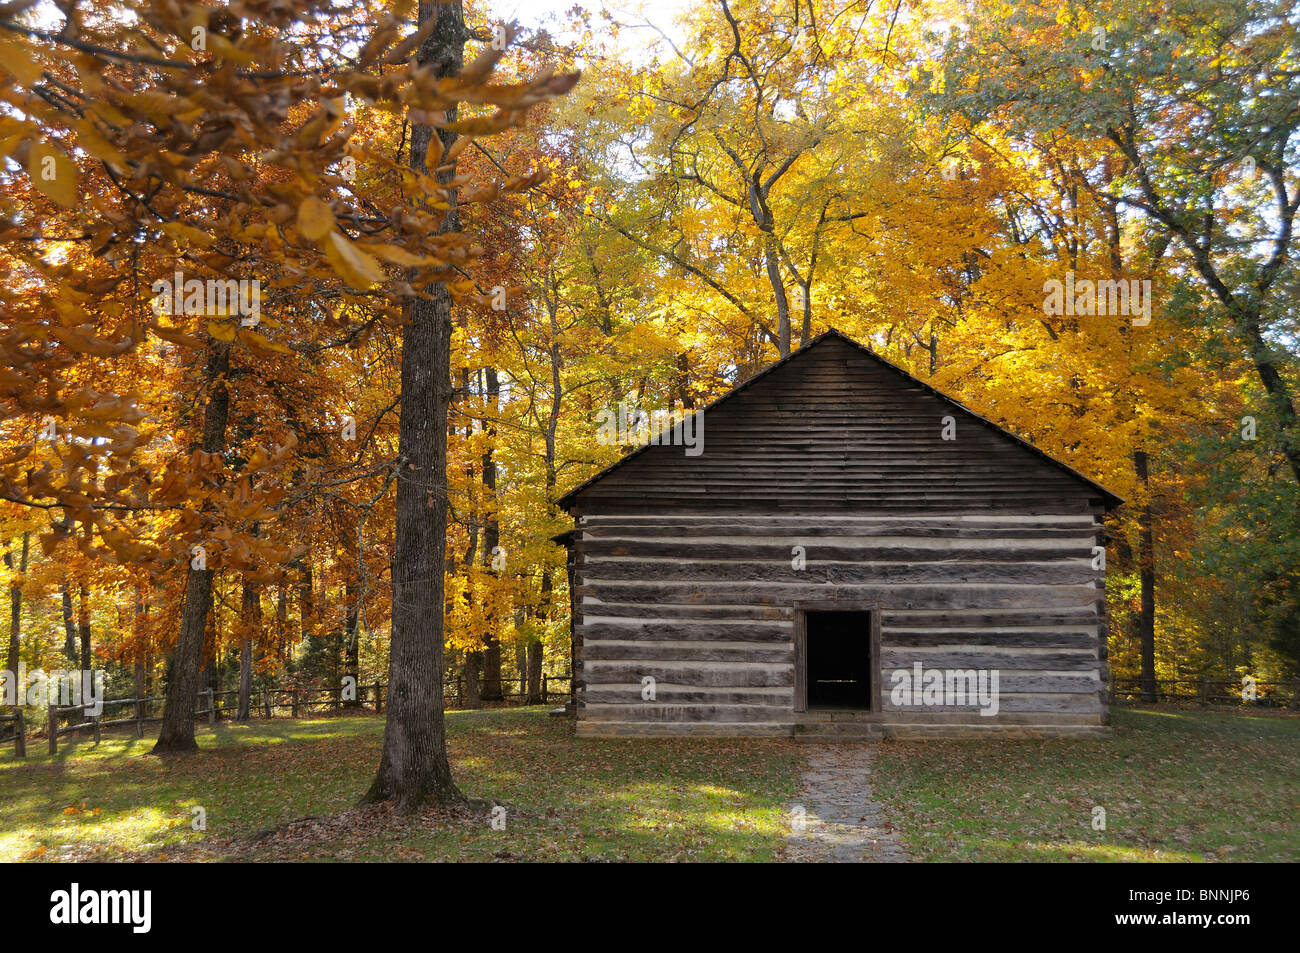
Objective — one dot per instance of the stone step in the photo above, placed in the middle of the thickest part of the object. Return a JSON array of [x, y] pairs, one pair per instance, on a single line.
[[838, 731], [833, 715]]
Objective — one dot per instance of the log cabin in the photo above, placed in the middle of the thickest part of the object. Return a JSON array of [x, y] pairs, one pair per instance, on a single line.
[[848, 554]]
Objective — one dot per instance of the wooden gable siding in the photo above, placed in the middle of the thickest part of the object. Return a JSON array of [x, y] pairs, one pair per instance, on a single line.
[[705, 605], [834, 427]]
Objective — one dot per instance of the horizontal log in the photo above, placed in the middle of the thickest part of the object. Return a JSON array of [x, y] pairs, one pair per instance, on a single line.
[[1044, 684], [650, 612], [865, 549], [816, 572], [890, 618], [795, 499], [653, 712], [899, 597], [1057, 702], [933, 717], [698, 674], [967, 638], [666, 693], [895, 659], [761, 521], [741, 508], [672, 629], [947, 475], [692, 651]]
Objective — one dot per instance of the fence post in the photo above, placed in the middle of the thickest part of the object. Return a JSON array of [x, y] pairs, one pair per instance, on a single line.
[[96, 719], [20, 733], [139, 718], [266, 701], [54, 729], [544, 688], [379, 699], [212, 707]]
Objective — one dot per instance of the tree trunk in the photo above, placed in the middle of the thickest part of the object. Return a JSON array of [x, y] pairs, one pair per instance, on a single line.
[[281, 621], [307, 600], [249, 613], [83, 624], [535, 672], [778, 287], [1147, 573], [350, 664], [16, 605], [138, 688], [69, 629], [492, 690], [473, 679], [521, 654], [413, 769], [177, 733], [1262, 355]]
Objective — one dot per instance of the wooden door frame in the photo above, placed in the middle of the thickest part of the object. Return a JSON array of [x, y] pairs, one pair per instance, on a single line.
[[801, 610]]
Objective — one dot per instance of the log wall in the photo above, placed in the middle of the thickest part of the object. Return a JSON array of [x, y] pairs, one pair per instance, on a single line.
[[705, 604]]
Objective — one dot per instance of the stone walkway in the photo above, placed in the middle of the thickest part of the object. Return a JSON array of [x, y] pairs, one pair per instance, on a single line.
[[834, 818]]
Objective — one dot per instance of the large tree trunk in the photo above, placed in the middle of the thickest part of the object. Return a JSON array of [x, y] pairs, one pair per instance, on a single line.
[[177, 733], [1147, 574], [413, 768], [15, 606]]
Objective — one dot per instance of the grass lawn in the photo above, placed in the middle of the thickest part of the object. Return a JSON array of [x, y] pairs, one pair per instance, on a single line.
[[1175, 786], [566, 798]]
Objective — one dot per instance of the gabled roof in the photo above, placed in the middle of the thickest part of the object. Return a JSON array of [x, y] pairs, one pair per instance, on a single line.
[[1110, 499]]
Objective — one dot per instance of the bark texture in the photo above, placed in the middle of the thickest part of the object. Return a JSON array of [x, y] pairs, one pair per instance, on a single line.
[[413, 769], [177, 733]]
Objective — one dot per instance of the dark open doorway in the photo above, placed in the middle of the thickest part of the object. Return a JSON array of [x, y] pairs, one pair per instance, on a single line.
[[838, 660]]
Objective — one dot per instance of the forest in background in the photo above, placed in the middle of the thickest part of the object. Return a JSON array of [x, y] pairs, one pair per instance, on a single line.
[[913, 174]]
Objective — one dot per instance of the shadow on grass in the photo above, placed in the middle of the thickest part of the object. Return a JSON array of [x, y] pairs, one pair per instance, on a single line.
[[569, 798]]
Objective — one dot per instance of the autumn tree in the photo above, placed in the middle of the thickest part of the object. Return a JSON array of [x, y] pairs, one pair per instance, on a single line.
[[227, 156]]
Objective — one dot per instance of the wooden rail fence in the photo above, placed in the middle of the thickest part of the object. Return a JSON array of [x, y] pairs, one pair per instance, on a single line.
[[1208, 691], [214, 706]]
